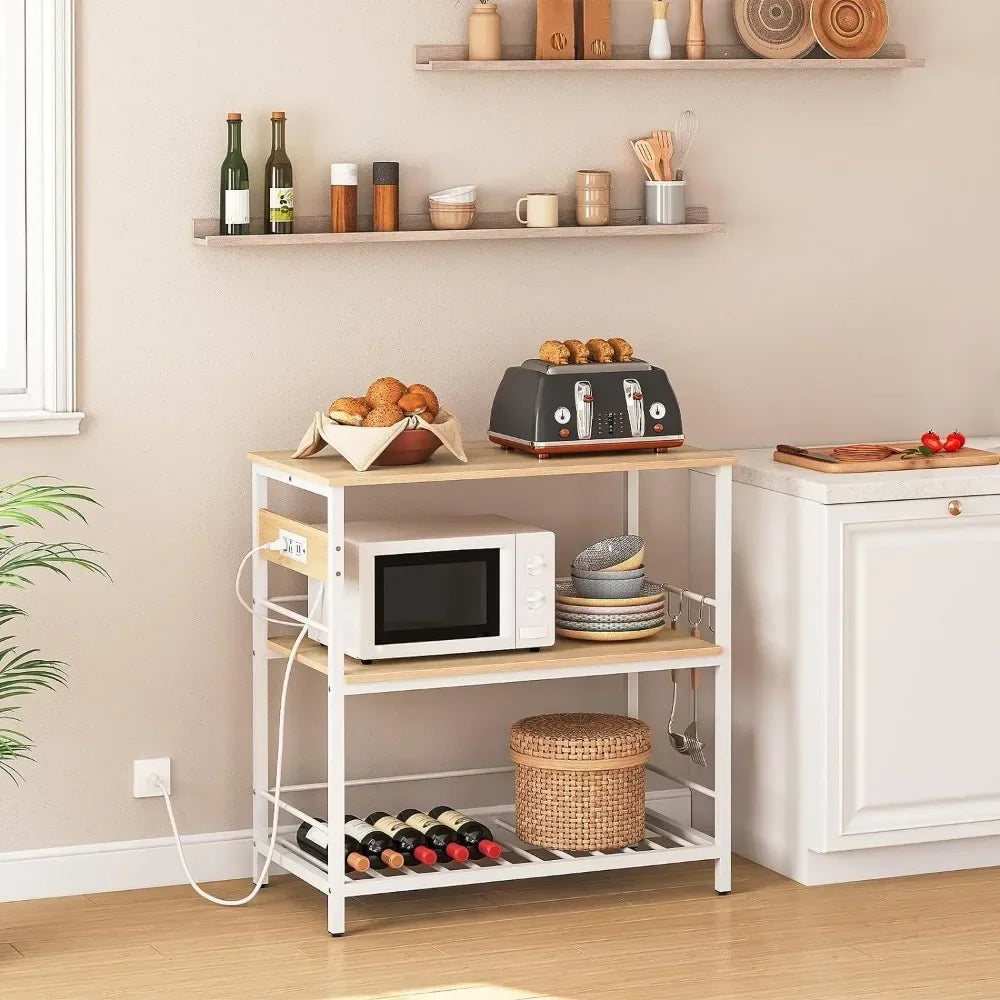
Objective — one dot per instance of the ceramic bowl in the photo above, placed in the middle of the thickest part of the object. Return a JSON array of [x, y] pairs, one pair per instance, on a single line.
[[456, 195], [445, 216], [608, 574], [608, 588], [616, 554], [409, 448]]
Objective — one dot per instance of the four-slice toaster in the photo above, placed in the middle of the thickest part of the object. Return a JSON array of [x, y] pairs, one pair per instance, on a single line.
[[549, 409]]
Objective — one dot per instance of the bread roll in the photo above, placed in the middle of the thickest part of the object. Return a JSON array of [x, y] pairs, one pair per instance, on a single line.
[[429, 395], [578, 353], [383, 416], [622, 349], [385, 392], [349, 410], [413, 402]]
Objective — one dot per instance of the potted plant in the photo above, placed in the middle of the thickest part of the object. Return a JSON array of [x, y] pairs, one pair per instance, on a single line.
[[22, 671]]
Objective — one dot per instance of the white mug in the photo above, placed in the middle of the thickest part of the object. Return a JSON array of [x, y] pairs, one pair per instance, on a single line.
[[543, 211]]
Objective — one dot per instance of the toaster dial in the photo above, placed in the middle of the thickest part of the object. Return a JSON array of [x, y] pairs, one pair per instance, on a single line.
[[657, 411], [562, 415]]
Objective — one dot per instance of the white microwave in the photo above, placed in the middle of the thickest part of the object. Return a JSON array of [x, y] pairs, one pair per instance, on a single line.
[[444, 585]]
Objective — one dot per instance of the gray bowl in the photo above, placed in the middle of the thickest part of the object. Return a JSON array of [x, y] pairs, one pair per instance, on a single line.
[[624, 552], [608, 574], [606, 589]]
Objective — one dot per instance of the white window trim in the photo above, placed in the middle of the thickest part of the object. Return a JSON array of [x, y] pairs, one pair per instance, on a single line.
[[49, 406]]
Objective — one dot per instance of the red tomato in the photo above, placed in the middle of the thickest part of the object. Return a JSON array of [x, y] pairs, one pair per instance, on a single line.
[[932, 441], [955, 441]]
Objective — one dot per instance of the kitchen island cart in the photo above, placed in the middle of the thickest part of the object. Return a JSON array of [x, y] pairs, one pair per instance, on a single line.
[[666, 841]]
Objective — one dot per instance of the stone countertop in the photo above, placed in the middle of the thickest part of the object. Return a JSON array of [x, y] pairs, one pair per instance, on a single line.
[[757, 468]]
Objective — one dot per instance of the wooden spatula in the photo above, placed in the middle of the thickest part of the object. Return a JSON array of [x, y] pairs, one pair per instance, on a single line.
[[644, 150], [638, 156]]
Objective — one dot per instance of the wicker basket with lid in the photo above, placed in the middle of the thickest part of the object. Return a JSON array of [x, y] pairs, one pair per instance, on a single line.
[[580, 780]]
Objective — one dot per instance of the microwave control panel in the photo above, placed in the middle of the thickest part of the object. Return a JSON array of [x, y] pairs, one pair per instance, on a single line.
[[534, 589]]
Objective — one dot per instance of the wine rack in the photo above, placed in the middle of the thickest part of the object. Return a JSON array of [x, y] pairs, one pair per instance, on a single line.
[[666, 841]]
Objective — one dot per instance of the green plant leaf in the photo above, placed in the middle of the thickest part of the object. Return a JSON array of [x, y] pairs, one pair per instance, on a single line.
[[22, 500]]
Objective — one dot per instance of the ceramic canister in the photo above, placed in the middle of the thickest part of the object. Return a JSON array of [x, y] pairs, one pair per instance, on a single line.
[[593, 197]]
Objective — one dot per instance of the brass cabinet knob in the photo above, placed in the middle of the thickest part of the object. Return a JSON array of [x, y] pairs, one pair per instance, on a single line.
[[955, 508]]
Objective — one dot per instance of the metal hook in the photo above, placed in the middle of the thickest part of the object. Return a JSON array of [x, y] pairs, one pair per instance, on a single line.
[[701, 611], [680, 609], [711, 618]]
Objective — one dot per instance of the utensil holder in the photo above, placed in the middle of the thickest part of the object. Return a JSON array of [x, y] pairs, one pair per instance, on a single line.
[[666, 203]]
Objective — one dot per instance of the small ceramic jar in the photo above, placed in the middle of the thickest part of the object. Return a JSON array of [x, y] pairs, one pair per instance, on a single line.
[[484, 32], [593, 197]]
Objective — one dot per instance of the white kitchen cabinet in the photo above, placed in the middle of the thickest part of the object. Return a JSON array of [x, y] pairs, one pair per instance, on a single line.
[[865, 700]]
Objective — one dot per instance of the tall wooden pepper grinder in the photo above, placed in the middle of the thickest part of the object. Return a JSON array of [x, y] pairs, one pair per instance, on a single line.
[[385, 196], [696, 30]]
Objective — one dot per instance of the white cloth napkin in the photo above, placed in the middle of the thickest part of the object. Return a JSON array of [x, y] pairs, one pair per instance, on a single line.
[[362, 445]]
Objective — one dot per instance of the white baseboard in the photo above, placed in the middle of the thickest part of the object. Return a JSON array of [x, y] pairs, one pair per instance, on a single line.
[[127, 864], [143, 864]]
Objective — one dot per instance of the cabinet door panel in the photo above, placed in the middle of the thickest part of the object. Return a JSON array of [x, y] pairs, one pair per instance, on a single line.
[[914, 726]]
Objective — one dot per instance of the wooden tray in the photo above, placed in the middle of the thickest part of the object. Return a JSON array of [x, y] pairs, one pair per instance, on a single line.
[[952, 460]]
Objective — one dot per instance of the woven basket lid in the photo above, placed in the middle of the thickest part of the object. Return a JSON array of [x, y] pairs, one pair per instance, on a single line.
[[580, 736]]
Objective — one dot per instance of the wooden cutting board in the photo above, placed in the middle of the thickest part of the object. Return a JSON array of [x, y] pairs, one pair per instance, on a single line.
[[952, 460]]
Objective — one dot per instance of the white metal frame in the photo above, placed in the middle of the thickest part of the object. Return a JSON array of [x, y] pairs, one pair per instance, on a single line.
[[665, 843], [47, 406]]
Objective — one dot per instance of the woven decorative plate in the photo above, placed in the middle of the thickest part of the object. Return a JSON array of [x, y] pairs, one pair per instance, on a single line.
[[604, 611], [593, 636], [775, 29], [850, 29], [621, 553], [609, 623], [566, 593]]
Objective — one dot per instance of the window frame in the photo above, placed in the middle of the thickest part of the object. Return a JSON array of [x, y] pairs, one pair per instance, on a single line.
[[48, 406]]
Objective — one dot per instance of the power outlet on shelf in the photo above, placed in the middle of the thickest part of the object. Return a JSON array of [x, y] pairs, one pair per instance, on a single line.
[[294, 546], [144, 773]]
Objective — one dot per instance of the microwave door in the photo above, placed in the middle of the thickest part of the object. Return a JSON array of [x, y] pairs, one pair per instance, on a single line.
[[584, 410]]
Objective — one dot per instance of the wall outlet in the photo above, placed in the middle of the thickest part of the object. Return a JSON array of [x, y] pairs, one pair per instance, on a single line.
[[294, 546], [143, 773]]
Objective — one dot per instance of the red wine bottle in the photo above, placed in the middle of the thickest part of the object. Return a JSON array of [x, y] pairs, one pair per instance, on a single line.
[[314, 841], [375, 844], [438, 836], [472, 834], [409, 842]]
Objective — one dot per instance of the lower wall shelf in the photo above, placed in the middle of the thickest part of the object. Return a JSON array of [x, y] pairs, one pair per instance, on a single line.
[[315, 230]]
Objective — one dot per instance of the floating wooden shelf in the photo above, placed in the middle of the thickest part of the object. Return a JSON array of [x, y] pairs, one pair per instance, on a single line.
[[568, 657], [628, 58], [312, 230], [486, 461]]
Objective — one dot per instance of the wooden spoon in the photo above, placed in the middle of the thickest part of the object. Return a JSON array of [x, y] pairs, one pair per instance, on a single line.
[[644, 151], [663, 146]]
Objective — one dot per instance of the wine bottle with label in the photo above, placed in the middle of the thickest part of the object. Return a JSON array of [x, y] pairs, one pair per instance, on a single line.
[[472, 834], [278, 200], [405, 839], [315, 841], [438, 836], [234, 189], [374, 844]]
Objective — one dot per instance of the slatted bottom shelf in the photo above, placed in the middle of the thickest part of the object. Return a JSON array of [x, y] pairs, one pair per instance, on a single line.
[[666, 843]]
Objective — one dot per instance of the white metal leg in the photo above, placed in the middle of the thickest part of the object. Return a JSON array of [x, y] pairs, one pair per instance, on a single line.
[[335, 764], [259, 574], [723, 678], [630, 510]]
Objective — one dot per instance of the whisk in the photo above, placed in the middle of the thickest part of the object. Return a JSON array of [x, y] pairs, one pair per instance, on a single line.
[[685, 130]]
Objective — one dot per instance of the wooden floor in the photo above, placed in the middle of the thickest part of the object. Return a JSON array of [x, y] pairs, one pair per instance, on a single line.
[[653, 933]]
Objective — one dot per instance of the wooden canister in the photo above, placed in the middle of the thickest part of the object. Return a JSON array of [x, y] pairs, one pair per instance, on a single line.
[[385, 196], [555, 35], [484, 32], [593, 197], [343, 197]]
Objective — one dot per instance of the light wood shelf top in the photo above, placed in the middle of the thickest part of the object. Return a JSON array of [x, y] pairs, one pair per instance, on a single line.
[[632, 58], [486, 461], [315, 230], [567, 654]]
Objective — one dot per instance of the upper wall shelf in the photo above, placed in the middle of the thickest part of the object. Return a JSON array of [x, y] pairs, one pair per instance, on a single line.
[[452, 58]]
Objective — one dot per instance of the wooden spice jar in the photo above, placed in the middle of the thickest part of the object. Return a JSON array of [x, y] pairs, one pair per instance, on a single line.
[[343, 197], [484, 32], [385, 196]]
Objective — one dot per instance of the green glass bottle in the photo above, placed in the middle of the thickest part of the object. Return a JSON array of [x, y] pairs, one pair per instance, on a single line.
[[234, 190], [278, 201]]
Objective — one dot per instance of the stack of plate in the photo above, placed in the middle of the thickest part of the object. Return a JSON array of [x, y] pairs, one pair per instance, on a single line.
[[611, 619]]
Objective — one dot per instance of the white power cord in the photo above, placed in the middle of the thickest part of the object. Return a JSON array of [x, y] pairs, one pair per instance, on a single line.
[[281, 746]]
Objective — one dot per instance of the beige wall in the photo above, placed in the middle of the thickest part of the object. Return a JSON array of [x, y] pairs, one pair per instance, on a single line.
[[853, 297]]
